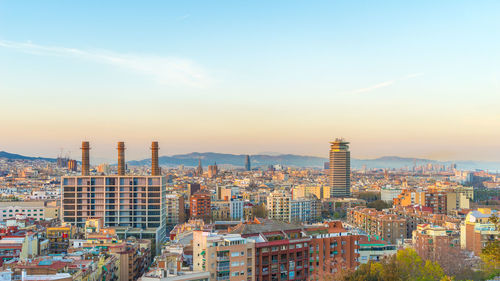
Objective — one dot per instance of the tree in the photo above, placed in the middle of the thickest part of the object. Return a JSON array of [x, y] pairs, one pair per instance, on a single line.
[[379, 205], [404, 265], [456, 262], [369, 196], [260, 211], [491, 253]]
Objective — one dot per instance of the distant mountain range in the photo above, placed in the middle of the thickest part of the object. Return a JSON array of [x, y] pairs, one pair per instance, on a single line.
[[13, 156], [259, 160], [209, 158]]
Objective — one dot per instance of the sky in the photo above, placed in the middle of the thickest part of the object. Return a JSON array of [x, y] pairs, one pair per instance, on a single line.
[[405, 78]]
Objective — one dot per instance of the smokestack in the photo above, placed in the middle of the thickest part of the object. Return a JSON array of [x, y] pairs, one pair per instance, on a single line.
[[121, 158], [155, 170], [85, 158]]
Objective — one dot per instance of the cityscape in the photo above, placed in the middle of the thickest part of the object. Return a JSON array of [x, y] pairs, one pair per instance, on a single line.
[[249, 141]]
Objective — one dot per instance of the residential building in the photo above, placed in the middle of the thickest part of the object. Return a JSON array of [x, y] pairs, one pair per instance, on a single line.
[[59, 238], [373, 249], [175, 209], [236, 209], [281, 249], [332, 248], [430, 241], [476, 231], [225, 256], [388, 227], [199, 205], [30, 209], [278, 206]]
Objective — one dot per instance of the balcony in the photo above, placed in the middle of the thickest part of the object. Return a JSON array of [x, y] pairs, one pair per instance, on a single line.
[[223, 268], [222, 258]]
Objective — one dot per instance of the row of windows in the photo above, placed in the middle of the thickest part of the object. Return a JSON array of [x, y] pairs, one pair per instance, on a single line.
[[23, 210], [29, 215]]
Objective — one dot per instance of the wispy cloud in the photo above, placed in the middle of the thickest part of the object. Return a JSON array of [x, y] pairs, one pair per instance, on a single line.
[[164, 70], [374, 87], [384, 84], [184, 17]]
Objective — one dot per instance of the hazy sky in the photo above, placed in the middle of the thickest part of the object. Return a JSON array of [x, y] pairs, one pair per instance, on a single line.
[[407, 78]]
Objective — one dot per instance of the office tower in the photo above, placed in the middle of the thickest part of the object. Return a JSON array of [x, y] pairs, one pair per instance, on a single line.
[[340, 169], [133, 205], [121, 158], [199, 169], [85, 158], [247, 163], [155, 170]]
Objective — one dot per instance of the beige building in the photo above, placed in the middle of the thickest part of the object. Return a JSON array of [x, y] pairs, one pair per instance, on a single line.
[[456, 201], [52, 210], [320, 191], [175, 209], [226, 257], [30, 209], [278, 206]]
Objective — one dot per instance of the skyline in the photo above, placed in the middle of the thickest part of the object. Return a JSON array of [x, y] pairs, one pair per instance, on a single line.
[[407, 79]]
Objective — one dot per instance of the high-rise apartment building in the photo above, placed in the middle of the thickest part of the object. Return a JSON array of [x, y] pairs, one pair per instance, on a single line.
[[339, 175], [133, 205], [281, 207], [175, 209], [199, 205], [278, 206]]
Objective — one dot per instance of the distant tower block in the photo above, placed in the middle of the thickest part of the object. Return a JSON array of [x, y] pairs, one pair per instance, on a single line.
[[121, 158], [247, 163], [339, 175], [85, 158], [155, 170]]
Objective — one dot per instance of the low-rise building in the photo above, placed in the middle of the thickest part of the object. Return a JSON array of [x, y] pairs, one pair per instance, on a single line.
[[373, 249]]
